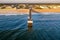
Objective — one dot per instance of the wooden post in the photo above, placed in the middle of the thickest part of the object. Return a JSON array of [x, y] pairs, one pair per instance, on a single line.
[[30, 22]]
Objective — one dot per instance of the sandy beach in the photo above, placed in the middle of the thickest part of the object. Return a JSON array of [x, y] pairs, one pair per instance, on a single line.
[[26, 11]]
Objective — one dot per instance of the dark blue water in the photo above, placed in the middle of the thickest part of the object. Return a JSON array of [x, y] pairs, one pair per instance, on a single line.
[[45, 27]]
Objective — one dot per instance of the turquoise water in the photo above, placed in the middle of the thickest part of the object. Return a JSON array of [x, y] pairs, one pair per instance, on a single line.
[[45, 27]]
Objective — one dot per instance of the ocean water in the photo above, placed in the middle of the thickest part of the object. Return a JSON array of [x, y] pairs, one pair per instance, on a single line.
[[45, 27]]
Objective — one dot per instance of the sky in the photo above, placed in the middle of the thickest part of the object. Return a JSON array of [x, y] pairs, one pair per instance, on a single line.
[[29, 1]]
